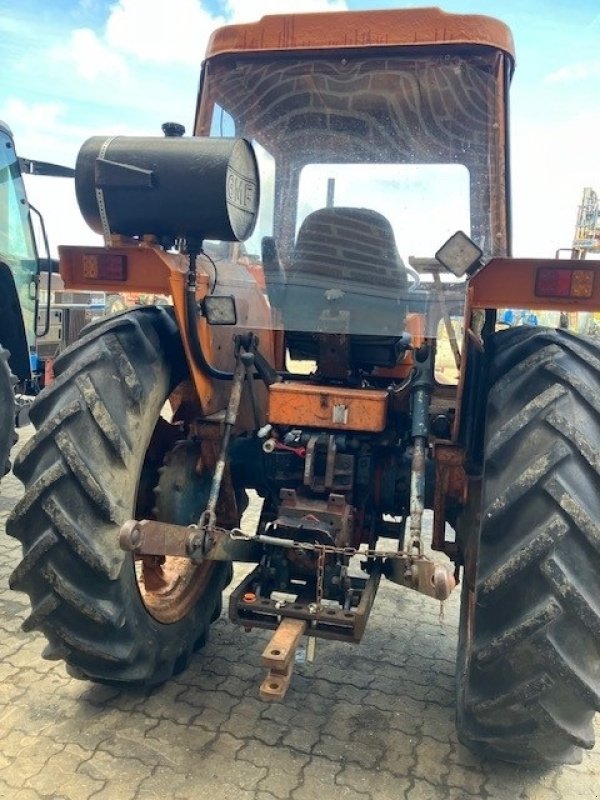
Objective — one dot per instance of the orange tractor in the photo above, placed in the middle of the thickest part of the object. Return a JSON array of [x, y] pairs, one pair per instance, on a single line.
[[301, 364]]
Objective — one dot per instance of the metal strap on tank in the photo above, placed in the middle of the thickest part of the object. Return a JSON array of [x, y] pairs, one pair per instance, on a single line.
[[100, 198]]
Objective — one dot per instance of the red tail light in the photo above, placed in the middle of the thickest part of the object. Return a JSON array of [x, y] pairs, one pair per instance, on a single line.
[[105, 267], [560, 282]]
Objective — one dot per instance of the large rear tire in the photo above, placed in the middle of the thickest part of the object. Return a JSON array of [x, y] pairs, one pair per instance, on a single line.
[[7, 412], [85, 470], [528, 671]]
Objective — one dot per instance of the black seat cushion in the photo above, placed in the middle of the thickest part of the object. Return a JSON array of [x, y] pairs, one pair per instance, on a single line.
[[346, 262], [349, 246]]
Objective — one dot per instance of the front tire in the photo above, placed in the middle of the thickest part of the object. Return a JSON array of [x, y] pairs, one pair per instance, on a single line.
[[84, 471], [528, 671]]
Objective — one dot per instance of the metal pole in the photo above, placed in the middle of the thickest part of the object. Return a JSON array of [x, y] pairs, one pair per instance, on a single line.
[[208, 520], [421, 394]]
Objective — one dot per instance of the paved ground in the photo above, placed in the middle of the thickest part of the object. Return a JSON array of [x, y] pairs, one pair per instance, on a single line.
[[373, 722]]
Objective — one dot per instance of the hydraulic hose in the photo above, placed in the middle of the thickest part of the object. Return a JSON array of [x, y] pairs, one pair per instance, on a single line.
[[192, 327]]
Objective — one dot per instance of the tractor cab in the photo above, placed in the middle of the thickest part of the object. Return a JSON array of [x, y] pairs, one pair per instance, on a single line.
[[372, 151], [18, 262], [31, 326]]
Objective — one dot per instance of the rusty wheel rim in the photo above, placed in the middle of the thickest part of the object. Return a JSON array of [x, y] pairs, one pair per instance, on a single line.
[[170, 590], [171, 586]]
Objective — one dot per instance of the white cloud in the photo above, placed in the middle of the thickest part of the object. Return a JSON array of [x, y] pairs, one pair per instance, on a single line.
[[34, 126], [93, 58], [580, 71], [42, 130], [38, 115], [11, 25], [47, 131], [243, 11], [147, 31], [161, 32], [157, 32]]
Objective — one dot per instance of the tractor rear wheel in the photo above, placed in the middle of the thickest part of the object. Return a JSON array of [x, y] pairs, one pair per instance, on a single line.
[[528, 671], [92, 464], [7, 412]]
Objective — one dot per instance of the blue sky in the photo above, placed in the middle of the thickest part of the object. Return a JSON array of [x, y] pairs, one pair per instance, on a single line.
[[75, 68]]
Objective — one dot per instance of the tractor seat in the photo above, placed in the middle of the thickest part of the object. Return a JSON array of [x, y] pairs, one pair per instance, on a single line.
[[353, 246], [345, 262]]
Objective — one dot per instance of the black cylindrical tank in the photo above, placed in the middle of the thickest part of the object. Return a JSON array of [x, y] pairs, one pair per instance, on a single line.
[[172, 187]]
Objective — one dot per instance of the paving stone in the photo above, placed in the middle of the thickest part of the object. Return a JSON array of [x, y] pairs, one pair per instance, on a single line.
[[284, 767], [373, 722]]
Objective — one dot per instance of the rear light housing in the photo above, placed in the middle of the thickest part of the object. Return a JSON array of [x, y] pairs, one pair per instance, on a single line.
[[105, 267], [561, 282]]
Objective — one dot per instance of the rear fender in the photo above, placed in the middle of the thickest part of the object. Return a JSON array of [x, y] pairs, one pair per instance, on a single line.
[[508, 283]]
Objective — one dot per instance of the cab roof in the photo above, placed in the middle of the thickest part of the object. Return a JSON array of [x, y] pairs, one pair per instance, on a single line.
[[360, 29]]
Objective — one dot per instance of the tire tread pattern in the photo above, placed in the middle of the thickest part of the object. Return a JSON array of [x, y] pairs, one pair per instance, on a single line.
[[80, 473], [530, 682]]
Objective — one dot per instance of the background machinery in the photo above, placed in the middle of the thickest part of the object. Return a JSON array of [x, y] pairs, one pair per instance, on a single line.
[[297, 358], [32, 326], [587, 228], [18, 291]]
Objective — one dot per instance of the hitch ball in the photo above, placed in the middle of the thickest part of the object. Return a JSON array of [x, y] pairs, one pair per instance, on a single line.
[[171, 187]]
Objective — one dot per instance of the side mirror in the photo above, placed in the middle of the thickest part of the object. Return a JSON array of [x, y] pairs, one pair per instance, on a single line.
[[460, 255]]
